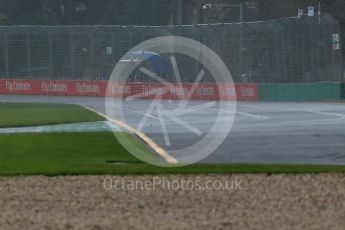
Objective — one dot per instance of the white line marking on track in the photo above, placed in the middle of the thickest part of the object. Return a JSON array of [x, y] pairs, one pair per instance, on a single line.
[[192, 109], [251, 106], [328, 114], [260, 117], [253, 116], [147, 114], [144, 114]]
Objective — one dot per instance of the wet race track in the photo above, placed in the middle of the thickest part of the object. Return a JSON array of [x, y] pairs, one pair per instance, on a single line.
[[263, 132]]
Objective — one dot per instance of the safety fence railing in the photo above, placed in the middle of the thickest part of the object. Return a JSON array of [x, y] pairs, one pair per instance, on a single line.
[[291, 50]]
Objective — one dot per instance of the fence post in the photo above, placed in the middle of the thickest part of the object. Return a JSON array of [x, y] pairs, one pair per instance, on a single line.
[[51, 67], [28, 52], [241, 37], [72, 52], [6, 52], [92, 51]]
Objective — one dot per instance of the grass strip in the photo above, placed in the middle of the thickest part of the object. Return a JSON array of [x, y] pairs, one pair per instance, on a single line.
[[55, 154], [35, 114]]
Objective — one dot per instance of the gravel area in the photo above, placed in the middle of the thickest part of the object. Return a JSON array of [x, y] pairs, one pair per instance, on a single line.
[[240, 201]]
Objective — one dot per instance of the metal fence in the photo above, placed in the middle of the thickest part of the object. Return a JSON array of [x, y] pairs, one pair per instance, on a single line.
[[285, 50]]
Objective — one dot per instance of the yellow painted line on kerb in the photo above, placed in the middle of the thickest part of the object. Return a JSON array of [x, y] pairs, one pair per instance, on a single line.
[[159, 150]]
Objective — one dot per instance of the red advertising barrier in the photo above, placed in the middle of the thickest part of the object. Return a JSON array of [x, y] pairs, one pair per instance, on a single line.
[[201, 91]]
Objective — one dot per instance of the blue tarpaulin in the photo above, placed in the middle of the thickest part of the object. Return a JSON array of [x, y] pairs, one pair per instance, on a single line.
[[158, 64]]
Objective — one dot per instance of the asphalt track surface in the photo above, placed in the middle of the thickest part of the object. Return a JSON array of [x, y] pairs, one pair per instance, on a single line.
[[263, 132]]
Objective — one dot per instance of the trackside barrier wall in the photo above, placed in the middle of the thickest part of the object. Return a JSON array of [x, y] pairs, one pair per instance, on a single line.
[[300, 91], [203, 91]]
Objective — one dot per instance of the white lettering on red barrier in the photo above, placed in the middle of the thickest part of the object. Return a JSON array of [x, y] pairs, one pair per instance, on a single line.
[[87, 88], [17, 86], [50, 87], [247, 92], [227, 92], [205, 91], [119, 89], [149, 90], [179, 91]]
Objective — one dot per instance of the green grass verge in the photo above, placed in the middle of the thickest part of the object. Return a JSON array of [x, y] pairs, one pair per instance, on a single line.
[[55, 154], [32, 114]]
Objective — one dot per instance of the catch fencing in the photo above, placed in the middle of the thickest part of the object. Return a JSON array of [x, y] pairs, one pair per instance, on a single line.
[[290, 50]]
